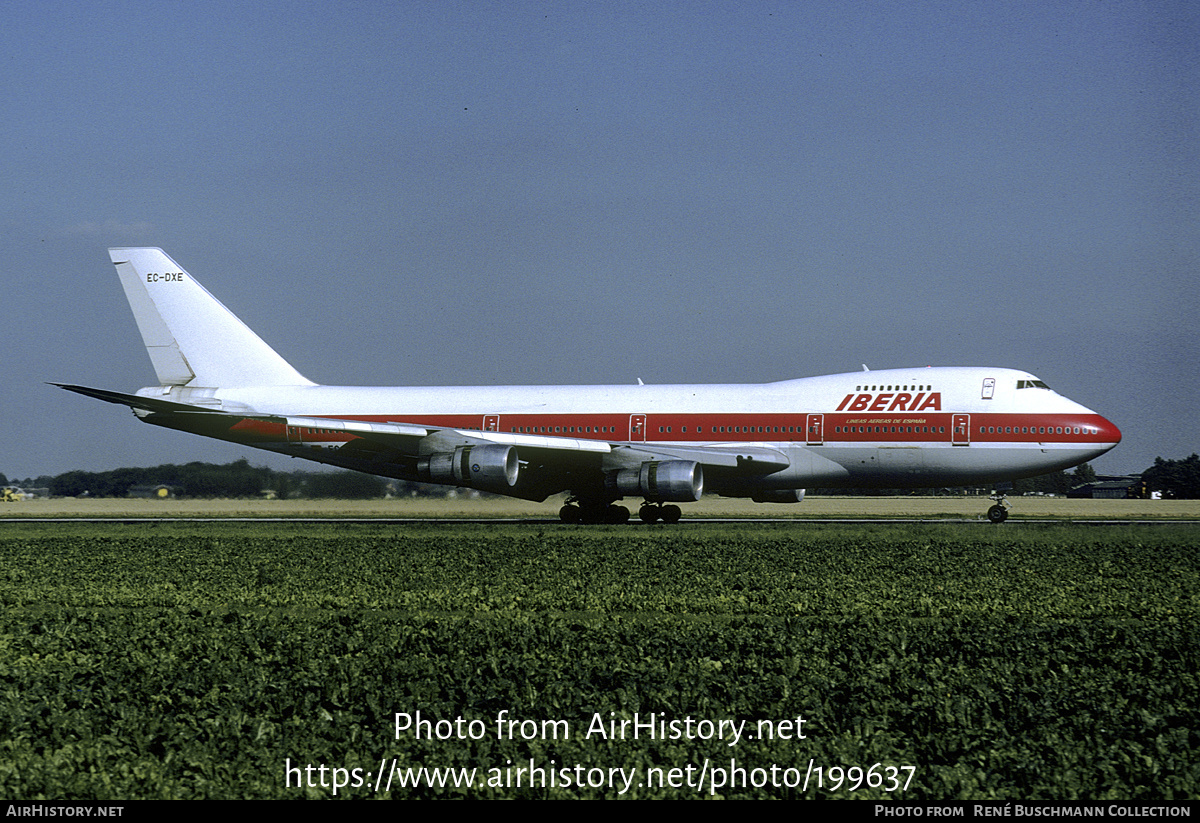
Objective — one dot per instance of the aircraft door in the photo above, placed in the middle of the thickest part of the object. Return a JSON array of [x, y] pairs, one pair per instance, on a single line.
[[293, 434], [960, 430], [491, 422], [815, 430], [637, 428]]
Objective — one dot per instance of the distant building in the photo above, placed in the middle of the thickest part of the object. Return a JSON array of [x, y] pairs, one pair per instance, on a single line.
[[1108, 489]]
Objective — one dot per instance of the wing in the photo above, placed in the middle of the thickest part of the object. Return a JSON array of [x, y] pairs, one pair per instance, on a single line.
[[529, 466]]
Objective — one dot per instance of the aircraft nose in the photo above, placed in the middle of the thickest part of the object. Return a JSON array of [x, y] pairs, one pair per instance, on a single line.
[[1109, 431], [1109, 435]]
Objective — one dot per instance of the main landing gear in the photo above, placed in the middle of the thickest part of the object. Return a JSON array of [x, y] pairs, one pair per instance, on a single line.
[[593, 513], [999, 512], [581, 511], [653, 512]]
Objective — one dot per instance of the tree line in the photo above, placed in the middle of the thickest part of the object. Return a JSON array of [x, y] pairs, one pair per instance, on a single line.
[[236, 479], [1176, 479]]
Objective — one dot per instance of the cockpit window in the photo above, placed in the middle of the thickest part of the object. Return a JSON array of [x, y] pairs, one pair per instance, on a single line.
[[1031, 384]]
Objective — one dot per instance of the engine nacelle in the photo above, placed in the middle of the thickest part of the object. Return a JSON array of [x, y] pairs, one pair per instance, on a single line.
[[487, 468], [778, 496], [677, 481]]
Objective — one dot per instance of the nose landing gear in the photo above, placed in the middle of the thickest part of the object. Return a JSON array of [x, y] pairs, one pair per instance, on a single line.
[[999, 512]]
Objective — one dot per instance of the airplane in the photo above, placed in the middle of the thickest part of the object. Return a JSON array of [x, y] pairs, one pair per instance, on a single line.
[[666, 444]]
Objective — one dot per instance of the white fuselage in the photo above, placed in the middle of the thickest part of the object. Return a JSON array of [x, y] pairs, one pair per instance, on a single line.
[[898, 427]]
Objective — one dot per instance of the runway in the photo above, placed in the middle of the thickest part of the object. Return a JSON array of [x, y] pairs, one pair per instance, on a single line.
[[528, 521]]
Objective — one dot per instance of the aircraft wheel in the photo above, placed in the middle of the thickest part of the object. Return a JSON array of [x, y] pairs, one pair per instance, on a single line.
[[671, 514], [569, 514], [997, 514], [649, 514], [617, 514]]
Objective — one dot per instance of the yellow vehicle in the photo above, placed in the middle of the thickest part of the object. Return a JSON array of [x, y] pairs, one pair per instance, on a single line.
[[11, 495]]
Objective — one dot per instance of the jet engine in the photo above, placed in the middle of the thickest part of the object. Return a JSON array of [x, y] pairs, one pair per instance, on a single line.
[[670, 480], [487, 468]]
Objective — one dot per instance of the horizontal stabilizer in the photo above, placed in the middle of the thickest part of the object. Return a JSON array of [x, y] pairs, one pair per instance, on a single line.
[[135, 401]]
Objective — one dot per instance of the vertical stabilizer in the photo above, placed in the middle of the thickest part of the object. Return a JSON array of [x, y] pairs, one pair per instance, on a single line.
[[192, 339]]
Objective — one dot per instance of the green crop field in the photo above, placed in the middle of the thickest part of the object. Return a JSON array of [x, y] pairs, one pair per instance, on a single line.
[[929, 662]]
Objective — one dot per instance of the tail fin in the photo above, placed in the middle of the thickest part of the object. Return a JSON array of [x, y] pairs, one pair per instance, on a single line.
[[192, 339]]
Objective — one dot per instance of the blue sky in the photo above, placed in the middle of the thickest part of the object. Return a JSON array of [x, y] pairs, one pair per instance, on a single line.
[[502, 193]]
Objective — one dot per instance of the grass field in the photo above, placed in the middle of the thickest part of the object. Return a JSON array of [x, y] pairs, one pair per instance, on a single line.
[[928, 662], [498, 507]]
